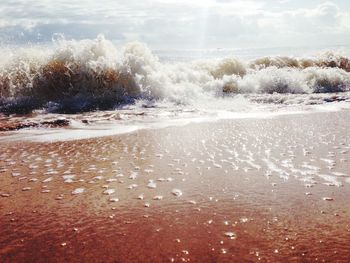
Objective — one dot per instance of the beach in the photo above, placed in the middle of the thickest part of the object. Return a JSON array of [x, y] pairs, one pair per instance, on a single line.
[[272, 189], [174, 131]]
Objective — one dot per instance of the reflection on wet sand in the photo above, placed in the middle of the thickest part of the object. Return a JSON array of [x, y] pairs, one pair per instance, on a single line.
[[269, 190]]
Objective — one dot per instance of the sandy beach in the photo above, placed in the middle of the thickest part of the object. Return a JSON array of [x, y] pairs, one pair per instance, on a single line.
[[174, 131], [247, 190]]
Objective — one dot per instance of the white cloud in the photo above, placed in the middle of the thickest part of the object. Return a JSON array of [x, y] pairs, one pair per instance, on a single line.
[[180, 23]]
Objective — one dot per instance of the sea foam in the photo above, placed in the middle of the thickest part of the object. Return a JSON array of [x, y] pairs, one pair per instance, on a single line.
[[95, 74]]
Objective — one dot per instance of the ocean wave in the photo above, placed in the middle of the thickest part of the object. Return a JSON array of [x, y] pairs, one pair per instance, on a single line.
[[95, 74]]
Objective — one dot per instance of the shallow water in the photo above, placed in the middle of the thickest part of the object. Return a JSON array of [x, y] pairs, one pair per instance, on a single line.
[[269, 190], [41, 126]]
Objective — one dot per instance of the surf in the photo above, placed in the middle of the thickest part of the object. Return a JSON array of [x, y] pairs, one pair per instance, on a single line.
[[95, 74]]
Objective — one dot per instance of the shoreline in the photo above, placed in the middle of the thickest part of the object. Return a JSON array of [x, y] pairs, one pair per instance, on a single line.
[[266, 190], [61, 127]]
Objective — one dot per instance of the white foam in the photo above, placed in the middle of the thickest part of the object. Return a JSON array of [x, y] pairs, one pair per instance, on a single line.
[[174, 94], [192, 83], [78, 191], [176, 192]]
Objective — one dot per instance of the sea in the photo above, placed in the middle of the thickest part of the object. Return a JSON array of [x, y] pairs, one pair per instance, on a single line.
[[100, 88]]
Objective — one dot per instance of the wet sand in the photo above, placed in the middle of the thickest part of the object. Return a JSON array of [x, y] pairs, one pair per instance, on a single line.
[[254, 190]]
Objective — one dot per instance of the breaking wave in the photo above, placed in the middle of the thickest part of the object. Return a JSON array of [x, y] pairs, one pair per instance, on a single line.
[[95, 74]]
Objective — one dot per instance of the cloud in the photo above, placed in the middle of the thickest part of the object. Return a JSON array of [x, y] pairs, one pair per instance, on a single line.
[[179, 23], [324, 24]]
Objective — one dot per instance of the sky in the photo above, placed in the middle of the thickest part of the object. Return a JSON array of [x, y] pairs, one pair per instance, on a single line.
[[180, 24]]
